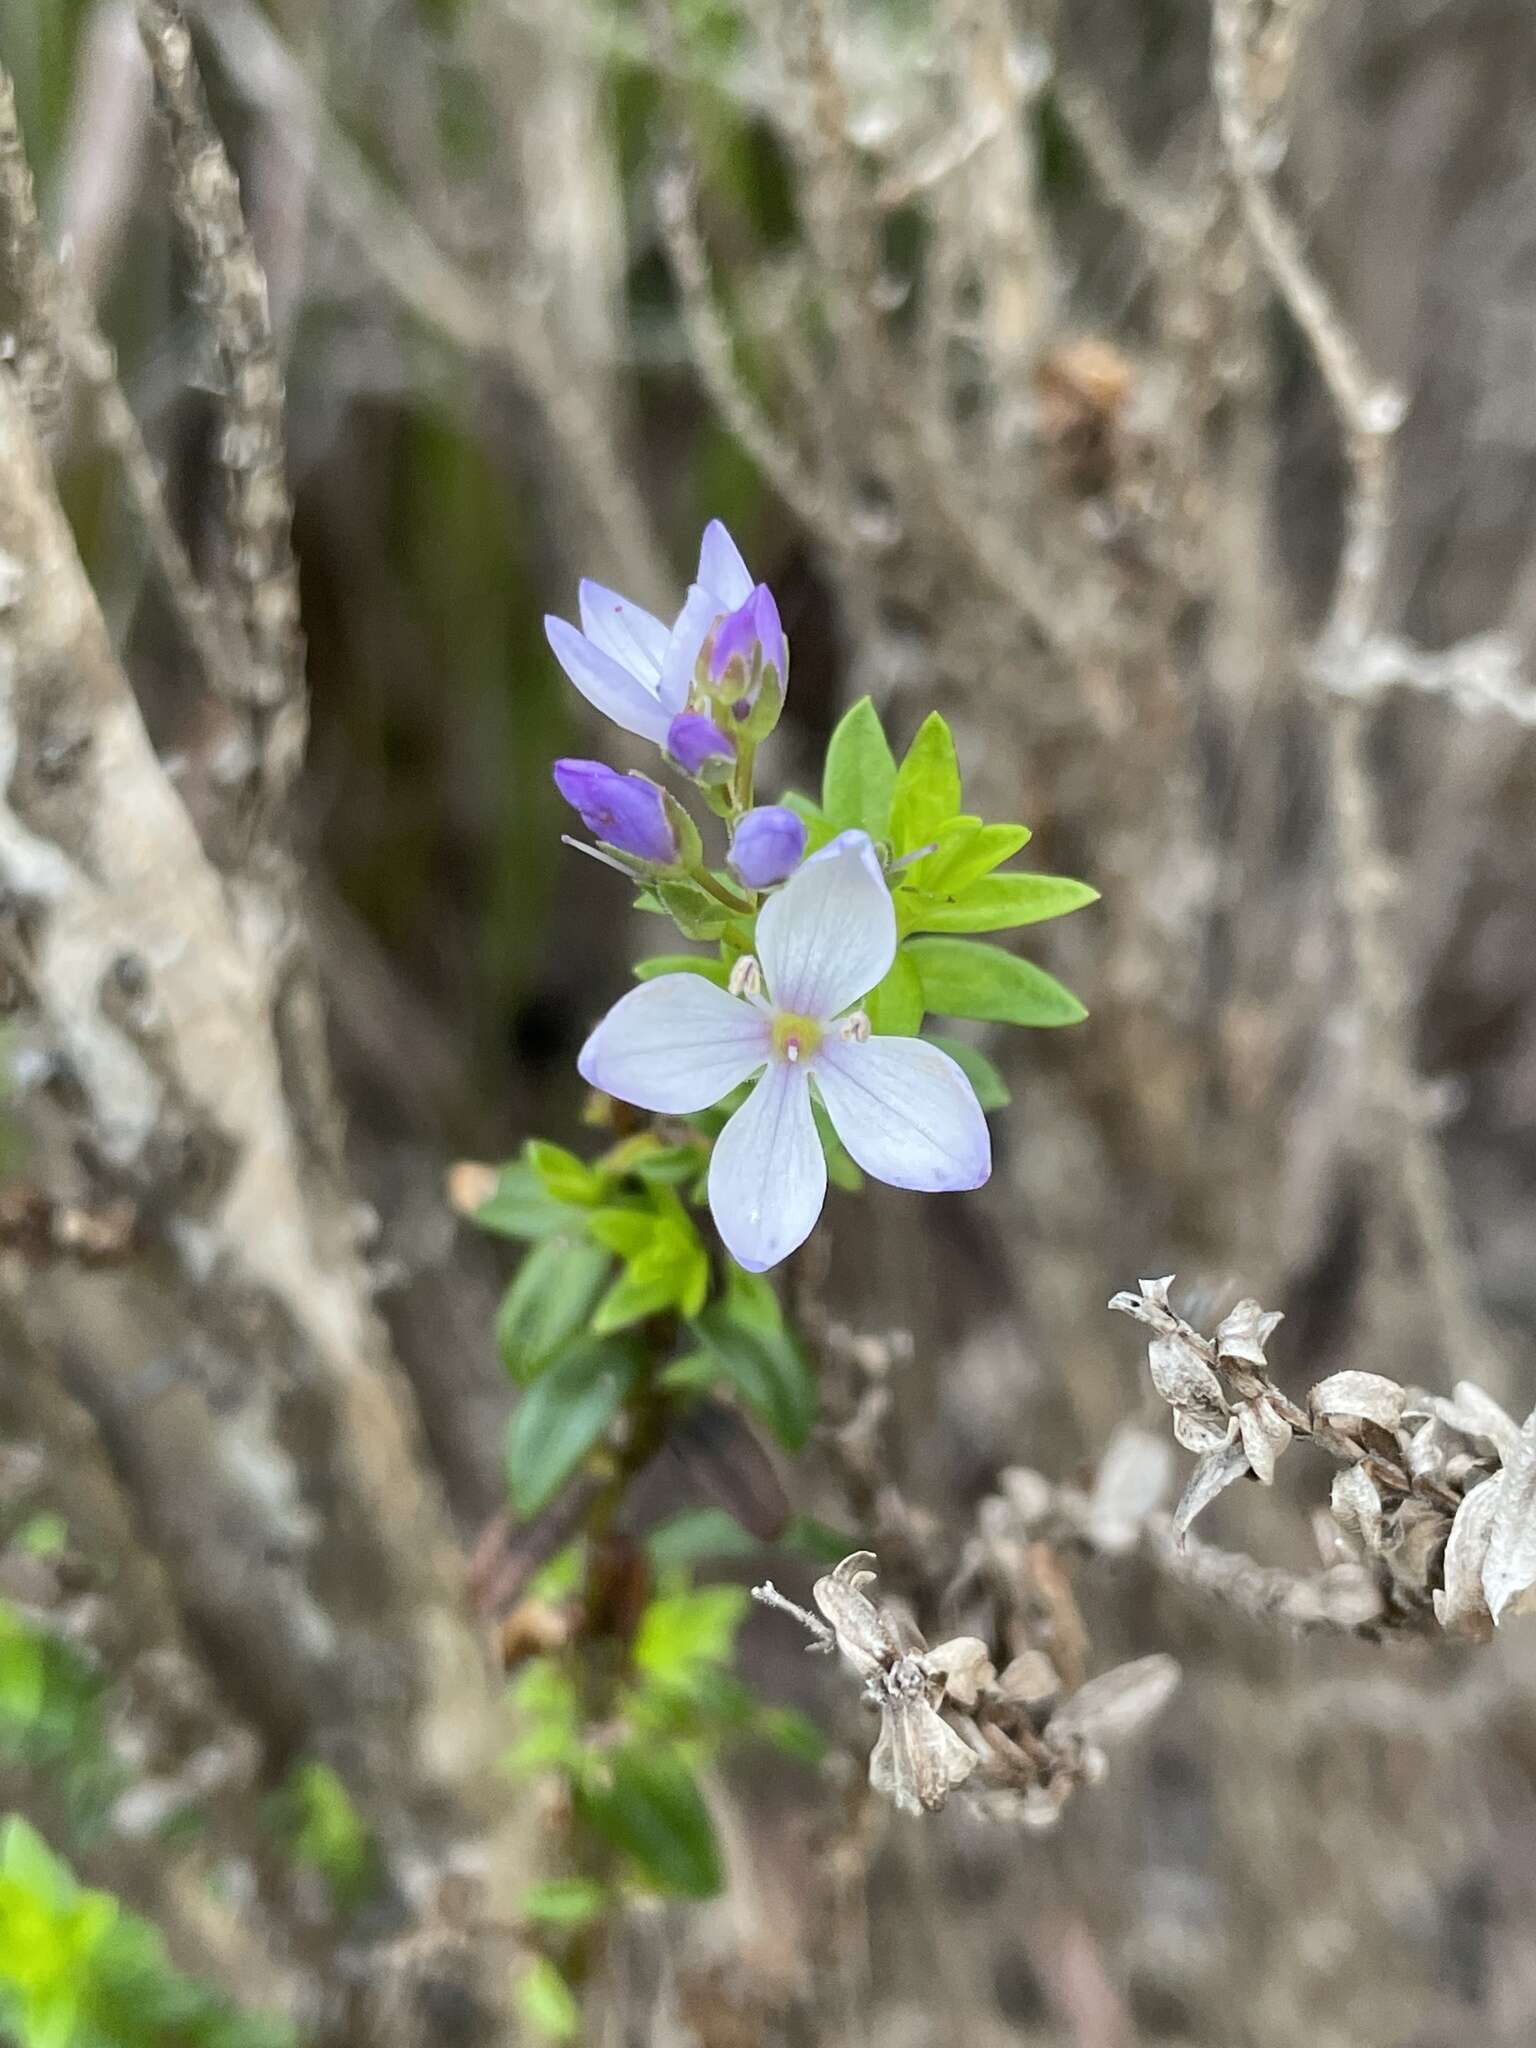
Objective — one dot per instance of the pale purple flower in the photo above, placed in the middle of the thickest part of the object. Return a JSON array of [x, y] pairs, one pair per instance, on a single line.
[[696, 743], [627, 663], [903, 1109], [752, 638], [626, 812], [767, 846]]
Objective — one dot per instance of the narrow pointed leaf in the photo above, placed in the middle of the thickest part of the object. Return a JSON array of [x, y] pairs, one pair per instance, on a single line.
[[997, 903], [963, 978], [562, 1415], [547, 1303], [860, 777], [927, 792]]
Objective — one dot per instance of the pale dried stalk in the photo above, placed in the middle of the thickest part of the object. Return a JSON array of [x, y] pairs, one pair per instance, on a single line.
[[229, 280], [1369, 412], [497, 327], [26, 265], [92, 359]]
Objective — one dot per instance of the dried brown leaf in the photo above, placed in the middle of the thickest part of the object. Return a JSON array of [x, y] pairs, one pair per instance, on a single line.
[[1265, 1435], [1461, 1607], [1115, 1704], [1370, 1396], [1244, 1333], [1215, 1472], [1509, 1573]]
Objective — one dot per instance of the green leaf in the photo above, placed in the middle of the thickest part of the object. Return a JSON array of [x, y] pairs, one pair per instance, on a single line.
[[683, 963], [766, 1368], [625, 1231], [964, 857], [562, 1415], [962, 978], [680, 1631], [895, 1008], [699, 1535], [819, 828], [996, 903], [546, 2002], [521, 1205], [326, 1832], [655, 1813], [860, 776], [992, 1091], [927, 787], [548, 1302], [631, 1298], [563, 1176], [563, 1902], [693, 910]]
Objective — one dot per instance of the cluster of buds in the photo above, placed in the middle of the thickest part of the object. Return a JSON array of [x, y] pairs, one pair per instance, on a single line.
[[707, 691], [1015, 1739], [1436, 1494]]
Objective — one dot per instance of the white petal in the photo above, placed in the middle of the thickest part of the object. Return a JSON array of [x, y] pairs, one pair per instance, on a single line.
[[829, 935], [905, 1111], [633, 636], [767, 1175], [698, 614], [674, 1045], [721, 570], [605, 684]]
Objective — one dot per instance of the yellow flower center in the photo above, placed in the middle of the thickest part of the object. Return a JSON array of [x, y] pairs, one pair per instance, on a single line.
[[795, 1038]]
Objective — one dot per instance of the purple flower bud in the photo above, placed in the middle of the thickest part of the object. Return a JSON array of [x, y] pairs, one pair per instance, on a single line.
[[752, 635], [694, 742], [626, 812], [768, 845]]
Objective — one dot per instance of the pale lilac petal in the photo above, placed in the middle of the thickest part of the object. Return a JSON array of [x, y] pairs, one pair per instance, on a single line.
[[721, 570], [633, 636], [694, 621], [905, 1112], [606, 685], [829, 935], [675, 1045], [767, 1174]]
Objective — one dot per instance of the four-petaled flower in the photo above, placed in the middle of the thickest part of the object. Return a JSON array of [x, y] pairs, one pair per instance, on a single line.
[[904, 1110], [627, 663]]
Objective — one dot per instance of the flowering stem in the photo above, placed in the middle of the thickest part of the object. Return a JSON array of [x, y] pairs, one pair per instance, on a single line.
[[738, 904]]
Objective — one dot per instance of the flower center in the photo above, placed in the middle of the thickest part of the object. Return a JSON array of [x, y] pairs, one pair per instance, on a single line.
[[795, 1038]]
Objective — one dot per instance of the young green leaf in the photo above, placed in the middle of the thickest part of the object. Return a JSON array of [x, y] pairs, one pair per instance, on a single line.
[[693, 910], [963, 978], [521, 1205], [927, 793], [895, 1008], [654, 1812], [547, 1303], [563, 1902], [963, 857], [699, 1536], [766, 1368], [562, 1415], [546, 2002], [563, 1176], [682, 963], [997, 903], [992, 1090], [860, 776]]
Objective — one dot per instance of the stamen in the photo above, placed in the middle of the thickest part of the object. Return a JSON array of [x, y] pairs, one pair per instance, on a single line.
[[854, 1029], [746, 977]]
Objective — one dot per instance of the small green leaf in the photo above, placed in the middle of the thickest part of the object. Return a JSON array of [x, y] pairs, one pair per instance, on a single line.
[[996, 903], [927, 787], [962, 978], [680, 1631], [693, 910], [766, 1368], [521, 1206], [895, 1008], [631, 1298], [563, 1902], [547, 1303], [562, 1415], [964, 857], [992, 1090], [699, 1535], [547, 2003], [628, 1232], [683, 963], [860, 776], [563, 1176], [654, 1812], [819, 828]]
